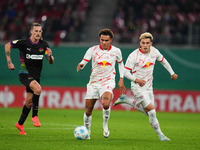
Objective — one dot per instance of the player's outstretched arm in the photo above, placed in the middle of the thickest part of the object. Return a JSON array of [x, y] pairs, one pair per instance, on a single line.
[[79, 67], [7, 53], [174, 76]]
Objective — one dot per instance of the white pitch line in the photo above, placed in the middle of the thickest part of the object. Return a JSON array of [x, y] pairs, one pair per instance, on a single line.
[[183, 61], [55, 124], [46, 128]]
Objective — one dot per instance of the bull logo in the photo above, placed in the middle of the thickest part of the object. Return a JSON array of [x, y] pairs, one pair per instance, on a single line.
[[104, 63], [147, 65]]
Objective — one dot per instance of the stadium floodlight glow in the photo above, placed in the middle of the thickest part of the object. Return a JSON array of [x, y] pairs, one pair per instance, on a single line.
[[63, 34], [44, 18]]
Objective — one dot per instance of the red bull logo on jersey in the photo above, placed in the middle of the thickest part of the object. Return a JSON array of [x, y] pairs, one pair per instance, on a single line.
[[147, 65], [104, 63]]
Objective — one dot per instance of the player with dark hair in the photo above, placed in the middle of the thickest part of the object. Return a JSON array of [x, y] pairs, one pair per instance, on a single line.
[[102, 78], [32, 51], [141, 63]]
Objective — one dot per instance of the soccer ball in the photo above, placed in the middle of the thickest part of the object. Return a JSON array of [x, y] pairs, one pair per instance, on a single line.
[[81, 133]]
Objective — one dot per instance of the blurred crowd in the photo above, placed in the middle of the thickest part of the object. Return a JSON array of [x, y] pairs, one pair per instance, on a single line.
[[60, 19], [170, 21]]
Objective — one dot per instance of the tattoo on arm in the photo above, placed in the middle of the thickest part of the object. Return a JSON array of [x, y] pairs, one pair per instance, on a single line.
[[7, 53], [105, 98], [9, 62]]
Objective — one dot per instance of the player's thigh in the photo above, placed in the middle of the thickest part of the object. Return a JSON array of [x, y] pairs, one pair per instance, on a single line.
[[35, 86], [106, 92], [149, 107], [27, 80], [148, 102], [151, 96], [92, 92], [142, 97]]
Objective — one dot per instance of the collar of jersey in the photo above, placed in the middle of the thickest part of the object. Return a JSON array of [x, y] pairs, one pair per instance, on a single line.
[[103, 49], [32, 42], [142, 51]]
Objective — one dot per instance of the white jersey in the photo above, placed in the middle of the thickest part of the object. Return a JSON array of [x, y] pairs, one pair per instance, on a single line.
[[103, 64], [142, 64]]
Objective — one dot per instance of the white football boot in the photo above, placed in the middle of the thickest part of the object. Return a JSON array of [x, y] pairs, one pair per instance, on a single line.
[[163, 138], [106, 132], [122, 99], [89, 132]]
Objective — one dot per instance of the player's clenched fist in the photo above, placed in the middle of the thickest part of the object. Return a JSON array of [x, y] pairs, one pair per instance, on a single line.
[[174, 76], [140, 82]]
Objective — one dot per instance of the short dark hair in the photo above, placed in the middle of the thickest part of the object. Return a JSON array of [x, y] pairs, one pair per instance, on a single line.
[[106, 32], [35, 24]]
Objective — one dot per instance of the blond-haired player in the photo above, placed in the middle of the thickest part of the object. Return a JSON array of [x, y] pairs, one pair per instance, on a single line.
[[102, 78], [141, 63]]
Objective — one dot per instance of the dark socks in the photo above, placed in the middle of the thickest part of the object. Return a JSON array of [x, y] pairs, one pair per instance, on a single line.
[[25, 112], [35, 101]]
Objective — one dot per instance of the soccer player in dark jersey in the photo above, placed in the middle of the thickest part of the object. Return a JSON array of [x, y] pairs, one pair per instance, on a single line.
[[32, 51]]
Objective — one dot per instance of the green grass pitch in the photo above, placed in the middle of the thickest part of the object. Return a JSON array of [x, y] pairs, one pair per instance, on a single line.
[[130, 130]]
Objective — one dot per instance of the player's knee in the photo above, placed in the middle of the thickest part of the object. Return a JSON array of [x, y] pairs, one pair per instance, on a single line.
[[152, 113], [35, 86], [38, 90], [105, 105]]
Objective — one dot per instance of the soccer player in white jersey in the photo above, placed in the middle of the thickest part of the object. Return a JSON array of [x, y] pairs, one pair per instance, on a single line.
[[102, 78], [141, 63]]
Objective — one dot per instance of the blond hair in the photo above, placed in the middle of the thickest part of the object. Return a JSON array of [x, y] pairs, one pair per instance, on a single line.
[[146, 35]]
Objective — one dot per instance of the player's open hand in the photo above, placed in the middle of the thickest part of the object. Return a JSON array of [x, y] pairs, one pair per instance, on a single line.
[[49, 52], [50, 58], [140, 82], [174, 76], [122, 88], [79, 67], [11, 66]]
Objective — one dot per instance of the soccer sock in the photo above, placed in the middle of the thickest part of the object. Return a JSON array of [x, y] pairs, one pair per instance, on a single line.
[[106, 115], [35, 101], [154, 122], [25, 112], [87, 121], [138, 107]]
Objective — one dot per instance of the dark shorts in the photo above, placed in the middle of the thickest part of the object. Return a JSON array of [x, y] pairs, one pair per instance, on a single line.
[[26, 79]]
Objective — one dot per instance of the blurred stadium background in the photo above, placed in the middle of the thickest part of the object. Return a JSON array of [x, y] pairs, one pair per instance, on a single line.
[[71, 27]]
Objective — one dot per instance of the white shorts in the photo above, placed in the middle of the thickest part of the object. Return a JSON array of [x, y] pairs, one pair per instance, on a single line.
[[94, 92], [144, 97]]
